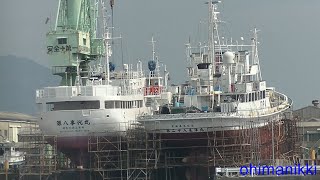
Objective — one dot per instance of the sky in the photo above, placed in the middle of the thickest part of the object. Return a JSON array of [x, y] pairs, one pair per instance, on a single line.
[[288, 38]]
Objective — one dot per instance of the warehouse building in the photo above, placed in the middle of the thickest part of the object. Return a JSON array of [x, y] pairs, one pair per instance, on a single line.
[[309, 131], [11, 124]]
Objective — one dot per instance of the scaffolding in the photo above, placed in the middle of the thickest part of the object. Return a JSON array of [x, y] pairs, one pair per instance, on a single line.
[[130, 153], [288, 148], [198, 157], [40, 156], [138, 154], [234, 148], [108, 153], [143, 152], [134, 153]]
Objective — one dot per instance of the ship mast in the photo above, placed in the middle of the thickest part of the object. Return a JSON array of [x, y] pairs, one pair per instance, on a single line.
[[211, 35], [154, 58], [213, 29], [255, 57], [106, 40], [211, 44], [153, 51], [153, 64], [189, 59]]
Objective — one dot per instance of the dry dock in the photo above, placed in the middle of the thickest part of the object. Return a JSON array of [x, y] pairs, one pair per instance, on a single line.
[[138, 154], [144, 155]]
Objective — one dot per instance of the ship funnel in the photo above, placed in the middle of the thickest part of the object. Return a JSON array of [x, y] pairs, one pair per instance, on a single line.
[[315, 103]]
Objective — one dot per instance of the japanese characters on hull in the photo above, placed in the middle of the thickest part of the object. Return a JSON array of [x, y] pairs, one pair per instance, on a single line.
[[74, 125], [184, 129]]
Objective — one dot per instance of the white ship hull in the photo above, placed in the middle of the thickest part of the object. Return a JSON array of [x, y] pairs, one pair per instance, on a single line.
[[196, 122], [73, 128], [71, 123]]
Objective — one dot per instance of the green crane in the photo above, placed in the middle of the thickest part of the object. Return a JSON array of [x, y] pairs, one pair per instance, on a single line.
[[73, 42]]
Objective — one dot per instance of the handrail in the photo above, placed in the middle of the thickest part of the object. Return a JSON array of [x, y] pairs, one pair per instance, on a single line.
[[287, 104], [73, 91]]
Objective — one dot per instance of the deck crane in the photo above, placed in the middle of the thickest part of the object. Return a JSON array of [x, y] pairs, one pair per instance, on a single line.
[[74, 41]]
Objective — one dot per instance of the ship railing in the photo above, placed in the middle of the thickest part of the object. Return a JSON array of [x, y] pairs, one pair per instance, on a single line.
[[189, 115], [71, 91], [127, 75], [243, 113], [130, 92], [283, 101]]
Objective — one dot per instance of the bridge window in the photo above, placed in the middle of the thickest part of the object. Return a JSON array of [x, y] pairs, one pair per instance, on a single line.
[[260, 94], [233, 97], [72, 105], [50, 106], [123, 104], [118, 104], [109, 104], [62, 40], [203, 65], [250, 97], [242, 98]]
